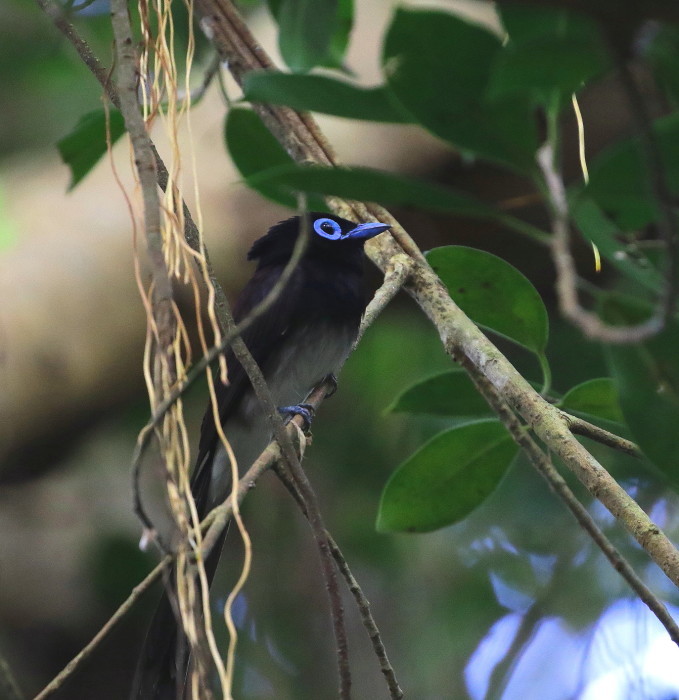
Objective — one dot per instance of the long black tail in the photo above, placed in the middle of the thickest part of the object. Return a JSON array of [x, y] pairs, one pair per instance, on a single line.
[[164, 659]]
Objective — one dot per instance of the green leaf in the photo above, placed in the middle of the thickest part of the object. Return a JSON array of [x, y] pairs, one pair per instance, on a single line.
[[449, 393], [549, 51], [319, 93], [306, 29], [439, 66], [86, 144], [600, 230], [367, 185], [446, 478], [595, 397], [619, 179], [339, 41], [494, 294], [647, 378], [253, 148]]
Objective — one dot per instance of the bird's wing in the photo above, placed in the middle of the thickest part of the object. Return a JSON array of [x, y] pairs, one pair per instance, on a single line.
[[263, 338]]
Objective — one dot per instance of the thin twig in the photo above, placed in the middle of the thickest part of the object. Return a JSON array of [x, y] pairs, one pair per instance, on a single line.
[[578, 426], [362, 603], [566, 275], [163, 312], [558, 485], [210, 74], [394, 278], [320, 533], [502, 673], [61, 22], [368, 621]]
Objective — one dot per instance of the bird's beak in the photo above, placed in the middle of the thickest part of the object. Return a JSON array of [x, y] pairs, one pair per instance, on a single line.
[[365, 231]]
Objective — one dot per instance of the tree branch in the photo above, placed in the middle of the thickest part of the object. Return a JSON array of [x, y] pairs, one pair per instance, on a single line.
[[558, 485], [460, 337], [163, 311], [578, 426], [395, 692]]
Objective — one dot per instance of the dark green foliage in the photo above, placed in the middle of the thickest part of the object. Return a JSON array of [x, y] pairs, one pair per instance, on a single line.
[[313, 32], [646, 376], [439, 67], [550, 54], [446, 478], [372, 186], [320, 93], [619, 178], [494, 294], [82, 149], [244, 128]]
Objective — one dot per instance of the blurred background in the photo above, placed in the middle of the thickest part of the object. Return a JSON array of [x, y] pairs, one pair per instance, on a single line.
[[514, 602]]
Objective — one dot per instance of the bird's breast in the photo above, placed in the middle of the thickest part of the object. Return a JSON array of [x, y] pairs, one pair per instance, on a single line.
[[306, 357]]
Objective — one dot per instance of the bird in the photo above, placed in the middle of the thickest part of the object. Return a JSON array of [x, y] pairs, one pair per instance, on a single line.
[[302, 339]]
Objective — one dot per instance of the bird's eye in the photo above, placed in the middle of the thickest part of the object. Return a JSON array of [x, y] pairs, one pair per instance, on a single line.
[[328, 229]]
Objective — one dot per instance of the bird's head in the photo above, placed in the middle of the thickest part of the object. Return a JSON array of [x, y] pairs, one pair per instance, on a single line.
[[330, 237]]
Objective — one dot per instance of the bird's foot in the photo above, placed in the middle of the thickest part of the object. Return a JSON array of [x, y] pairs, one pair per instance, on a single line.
[[306, 410], [332, 380]]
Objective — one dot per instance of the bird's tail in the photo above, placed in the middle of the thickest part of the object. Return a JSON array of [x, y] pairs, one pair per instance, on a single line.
[[163, 663]]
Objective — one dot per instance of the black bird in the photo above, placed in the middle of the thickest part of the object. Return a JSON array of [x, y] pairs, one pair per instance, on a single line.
[[304, 337]]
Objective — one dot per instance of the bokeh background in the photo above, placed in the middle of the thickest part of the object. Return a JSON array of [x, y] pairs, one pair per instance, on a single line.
[[514, 602]]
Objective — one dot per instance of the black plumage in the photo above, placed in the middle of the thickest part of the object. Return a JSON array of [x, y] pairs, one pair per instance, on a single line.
[[302, 338]]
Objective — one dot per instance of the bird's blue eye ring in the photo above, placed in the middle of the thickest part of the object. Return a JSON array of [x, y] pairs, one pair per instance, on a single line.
[[328, 229]]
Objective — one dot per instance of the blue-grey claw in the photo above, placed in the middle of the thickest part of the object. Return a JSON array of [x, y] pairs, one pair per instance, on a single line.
[[306, 410]]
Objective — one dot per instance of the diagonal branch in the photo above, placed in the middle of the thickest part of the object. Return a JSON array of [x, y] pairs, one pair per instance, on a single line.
[[163, 311], [232, 336], [578, 426], [543, 465], [460, 337]]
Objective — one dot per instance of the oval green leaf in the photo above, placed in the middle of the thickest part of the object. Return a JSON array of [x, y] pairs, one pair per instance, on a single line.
[[320, 93], [305, 31], [597, 398], [550, 51], [367, 185], [339, 41], [447, 478], [450, 393], [253, 148], [494, 294], [438, 66], [82, 149]]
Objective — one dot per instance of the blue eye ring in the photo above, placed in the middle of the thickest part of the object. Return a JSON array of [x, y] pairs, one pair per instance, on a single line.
[[328, 229]]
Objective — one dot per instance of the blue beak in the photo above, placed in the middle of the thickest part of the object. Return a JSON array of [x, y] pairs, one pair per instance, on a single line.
[[365, 231]]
